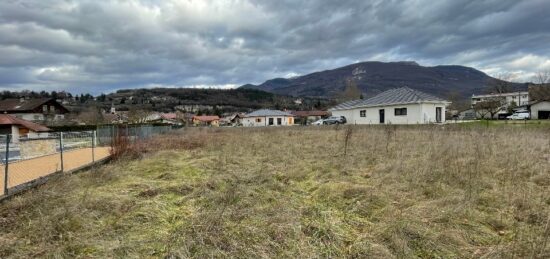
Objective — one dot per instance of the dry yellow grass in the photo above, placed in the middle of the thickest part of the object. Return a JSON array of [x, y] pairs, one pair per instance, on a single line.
[[291, 192]]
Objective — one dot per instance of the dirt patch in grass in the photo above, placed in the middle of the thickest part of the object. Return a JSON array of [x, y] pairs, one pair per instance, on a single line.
[[428, 192]]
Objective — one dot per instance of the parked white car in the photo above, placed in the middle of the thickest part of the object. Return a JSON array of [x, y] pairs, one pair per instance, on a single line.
[[519, 116], [318, 122]]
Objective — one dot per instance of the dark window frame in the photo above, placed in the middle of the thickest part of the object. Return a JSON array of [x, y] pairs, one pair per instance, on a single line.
[[270, 122], [400, 112], [363, 113]]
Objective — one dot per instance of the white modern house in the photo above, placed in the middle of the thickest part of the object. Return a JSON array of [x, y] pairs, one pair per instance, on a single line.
[[395, 106], [264, 117]]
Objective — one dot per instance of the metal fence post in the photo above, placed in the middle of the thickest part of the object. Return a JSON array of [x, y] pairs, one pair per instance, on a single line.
[[94, 137], [61, 149], [6, 164]]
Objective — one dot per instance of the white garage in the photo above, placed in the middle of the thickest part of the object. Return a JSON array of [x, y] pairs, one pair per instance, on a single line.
[[395, 106], [540, 110]]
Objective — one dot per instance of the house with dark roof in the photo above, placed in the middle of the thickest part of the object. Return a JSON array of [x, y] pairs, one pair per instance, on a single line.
[[395, 106], [17, 127], [266, 117], [37, 110]]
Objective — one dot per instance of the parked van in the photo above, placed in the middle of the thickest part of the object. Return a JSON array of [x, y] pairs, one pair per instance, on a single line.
[[521, 115]]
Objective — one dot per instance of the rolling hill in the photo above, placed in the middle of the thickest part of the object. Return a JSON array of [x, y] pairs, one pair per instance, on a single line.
[[374, 77]]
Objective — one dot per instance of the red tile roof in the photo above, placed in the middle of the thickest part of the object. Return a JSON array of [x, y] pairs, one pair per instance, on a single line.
[[206, 118], [6, 119], [169, 116]]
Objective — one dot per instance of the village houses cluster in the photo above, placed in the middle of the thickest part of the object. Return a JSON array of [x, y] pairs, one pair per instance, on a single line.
[[404, 105]]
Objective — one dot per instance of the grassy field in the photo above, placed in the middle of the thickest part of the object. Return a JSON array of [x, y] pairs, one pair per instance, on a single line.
[[506, 123], [377, 192]]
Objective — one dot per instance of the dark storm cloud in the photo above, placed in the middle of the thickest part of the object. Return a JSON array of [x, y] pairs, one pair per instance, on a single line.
[[104, 45]]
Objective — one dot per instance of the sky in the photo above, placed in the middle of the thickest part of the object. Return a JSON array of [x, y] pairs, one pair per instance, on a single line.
[[94, 46]]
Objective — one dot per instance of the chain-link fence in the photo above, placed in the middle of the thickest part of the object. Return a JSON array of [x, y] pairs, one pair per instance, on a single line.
[[29, 160]]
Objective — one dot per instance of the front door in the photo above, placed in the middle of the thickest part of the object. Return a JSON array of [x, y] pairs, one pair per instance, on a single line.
[[381, 113], [438, 114]]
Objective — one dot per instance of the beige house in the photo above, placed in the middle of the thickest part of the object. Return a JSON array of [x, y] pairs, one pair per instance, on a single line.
[[262, 118], [395, 106], [213, 121]]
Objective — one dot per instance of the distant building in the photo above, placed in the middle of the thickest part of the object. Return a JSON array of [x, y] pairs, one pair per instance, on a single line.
[[36, 110], [17, 127], [540, 110], [395, 106], [508, 100], [517, 98], [268, 118], [468, 114], [213, 121], [163, 118], [232, 120]]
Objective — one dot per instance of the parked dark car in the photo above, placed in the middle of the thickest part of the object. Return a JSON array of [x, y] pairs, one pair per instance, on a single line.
[[335, 120]]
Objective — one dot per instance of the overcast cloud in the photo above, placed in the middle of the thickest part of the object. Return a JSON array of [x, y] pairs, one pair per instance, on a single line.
[[99, 46]]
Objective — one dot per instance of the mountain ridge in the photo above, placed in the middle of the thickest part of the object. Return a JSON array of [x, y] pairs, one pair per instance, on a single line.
[[373, 77]]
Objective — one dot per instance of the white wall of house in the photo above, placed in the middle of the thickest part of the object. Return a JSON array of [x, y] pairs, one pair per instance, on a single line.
[[541, 106], [37, 116], [417, 113], [15, 133], [519, 98], [30, 116], [264, 121]]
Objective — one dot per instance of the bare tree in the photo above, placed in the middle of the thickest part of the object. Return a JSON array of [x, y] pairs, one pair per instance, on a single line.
[[543, 77], [457, 101], [138, 116], [352, 91], [541, 90], [502, 83], [490, 106], [91, 116]]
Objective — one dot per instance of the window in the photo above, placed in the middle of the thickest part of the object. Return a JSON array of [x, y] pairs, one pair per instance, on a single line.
[[363, 113], [45, 108], [270, 121], [400, 111], [258, 120], [52, 108], [279, 121]]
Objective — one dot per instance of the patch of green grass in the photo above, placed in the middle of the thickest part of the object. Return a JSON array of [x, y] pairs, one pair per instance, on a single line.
[[506, 123]]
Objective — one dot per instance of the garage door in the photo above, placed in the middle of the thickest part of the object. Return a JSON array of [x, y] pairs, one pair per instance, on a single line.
[[544, 115]]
